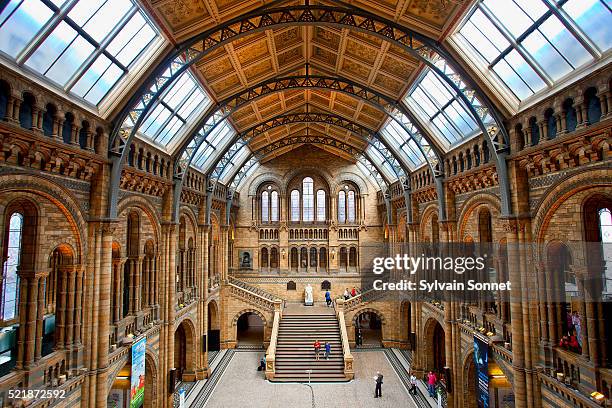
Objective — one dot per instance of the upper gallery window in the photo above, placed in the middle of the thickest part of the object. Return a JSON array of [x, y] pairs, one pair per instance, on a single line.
[[10, 278], [530, 44], [84, 46]]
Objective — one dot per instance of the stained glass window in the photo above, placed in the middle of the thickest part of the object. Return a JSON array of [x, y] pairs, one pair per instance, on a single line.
[[308, 199]]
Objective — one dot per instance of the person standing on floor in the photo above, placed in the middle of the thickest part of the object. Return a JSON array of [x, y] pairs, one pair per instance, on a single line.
[[347, 295], [379, 381], [317, 349], [327, 350], [328, 298]]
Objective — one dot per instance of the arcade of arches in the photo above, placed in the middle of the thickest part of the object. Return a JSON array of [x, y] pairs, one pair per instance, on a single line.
[[170, 173]]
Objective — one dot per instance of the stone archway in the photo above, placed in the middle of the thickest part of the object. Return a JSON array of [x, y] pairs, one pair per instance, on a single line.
[[368, 324], [151, 378], [184, 351], [434, 346], [213, 335], [469, 382], [250, 329]]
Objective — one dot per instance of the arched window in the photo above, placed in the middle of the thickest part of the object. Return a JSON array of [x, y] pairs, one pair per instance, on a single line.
[[343, 258], [321, 205], [341, 206], [350, 206], [570, 115], [265, 211], [303, 258], [551, 123], [264, 258], [11, 265], [313, 257], [274, 206], [605, 232], [295, 205], [353, 257], [308, 199], [323, 258], [294, 258], [274, 258], [534, 131], [593, 106]]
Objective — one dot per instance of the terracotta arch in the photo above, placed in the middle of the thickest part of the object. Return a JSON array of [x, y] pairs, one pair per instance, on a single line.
[[62, 198], [254, 311], [433, 333], [144, 205], [151, 379], [184, 346], [468, 373], [471, 204], [213, 315]]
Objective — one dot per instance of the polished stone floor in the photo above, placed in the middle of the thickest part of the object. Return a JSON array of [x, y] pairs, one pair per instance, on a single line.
[[243, 386]]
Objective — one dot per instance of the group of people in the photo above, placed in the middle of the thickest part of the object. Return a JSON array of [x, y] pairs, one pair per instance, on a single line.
[[317, 349], [349, 294], [573, 339]]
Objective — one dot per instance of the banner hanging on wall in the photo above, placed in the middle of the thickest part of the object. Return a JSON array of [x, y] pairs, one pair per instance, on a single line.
[[481, 360], [137, 380]]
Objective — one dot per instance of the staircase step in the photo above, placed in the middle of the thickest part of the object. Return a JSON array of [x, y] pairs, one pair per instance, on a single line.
[[295, 353]]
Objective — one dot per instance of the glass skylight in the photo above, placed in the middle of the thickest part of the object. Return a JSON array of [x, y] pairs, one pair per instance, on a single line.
[[528, 46], [85, 46], [396, 136], [382, 163], [237, 160], [212, 145], [245, 171], [167, 121], [439, 106]]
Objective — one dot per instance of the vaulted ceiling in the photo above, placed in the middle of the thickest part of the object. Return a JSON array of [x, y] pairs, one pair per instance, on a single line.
[[288, 51]]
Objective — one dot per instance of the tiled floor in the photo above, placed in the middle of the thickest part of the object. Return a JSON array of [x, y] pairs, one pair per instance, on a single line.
[[243, 386]]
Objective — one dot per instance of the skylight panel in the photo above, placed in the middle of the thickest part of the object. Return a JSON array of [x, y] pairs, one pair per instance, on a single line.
[[396, 136], [441, 108], [214, 143], [237, 160], [542, 41], [381, 162], [84, 47], [167, 122]]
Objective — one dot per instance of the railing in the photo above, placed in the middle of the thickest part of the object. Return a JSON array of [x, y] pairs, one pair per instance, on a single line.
[[271, 352], [263, 299], [346, 349], [356, 301], [251, 288], [572, 396]]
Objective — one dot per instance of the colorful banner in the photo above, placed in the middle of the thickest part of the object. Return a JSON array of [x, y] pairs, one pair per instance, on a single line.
[[137, 380], [481, 360]]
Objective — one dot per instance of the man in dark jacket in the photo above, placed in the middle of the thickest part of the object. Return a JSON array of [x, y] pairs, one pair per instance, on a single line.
[[379, 381]]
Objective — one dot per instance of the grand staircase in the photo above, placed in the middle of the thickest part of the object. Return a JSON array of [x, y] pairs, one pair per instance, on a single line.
[[298, 330]]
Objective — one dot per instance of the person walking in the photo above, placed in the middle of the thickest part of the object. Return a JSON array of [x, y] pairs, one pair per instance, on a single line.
[[379, 381], [359, 339], [413, 384], [431, 384], [328, 299], [327, 350], [317, 349]]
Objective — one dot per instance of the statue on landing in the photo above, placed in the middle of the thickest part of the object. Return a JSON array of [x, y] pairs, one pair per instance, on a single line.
[[308, 296]]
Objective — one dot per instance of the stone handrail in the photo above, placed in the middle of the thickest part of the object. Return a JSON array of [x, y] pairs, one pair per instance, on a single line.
[[346, 349], [251, 288], [253, 298], [356, 301], [271, 352]]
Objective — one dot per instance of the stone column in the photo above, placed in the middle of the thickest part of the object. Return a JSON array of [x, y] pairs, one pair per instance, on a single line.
[[512, 227], [30, 326], [78, 306], [103, 313], [40, 317], [70, 306], [23, 303], [60, 315]]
